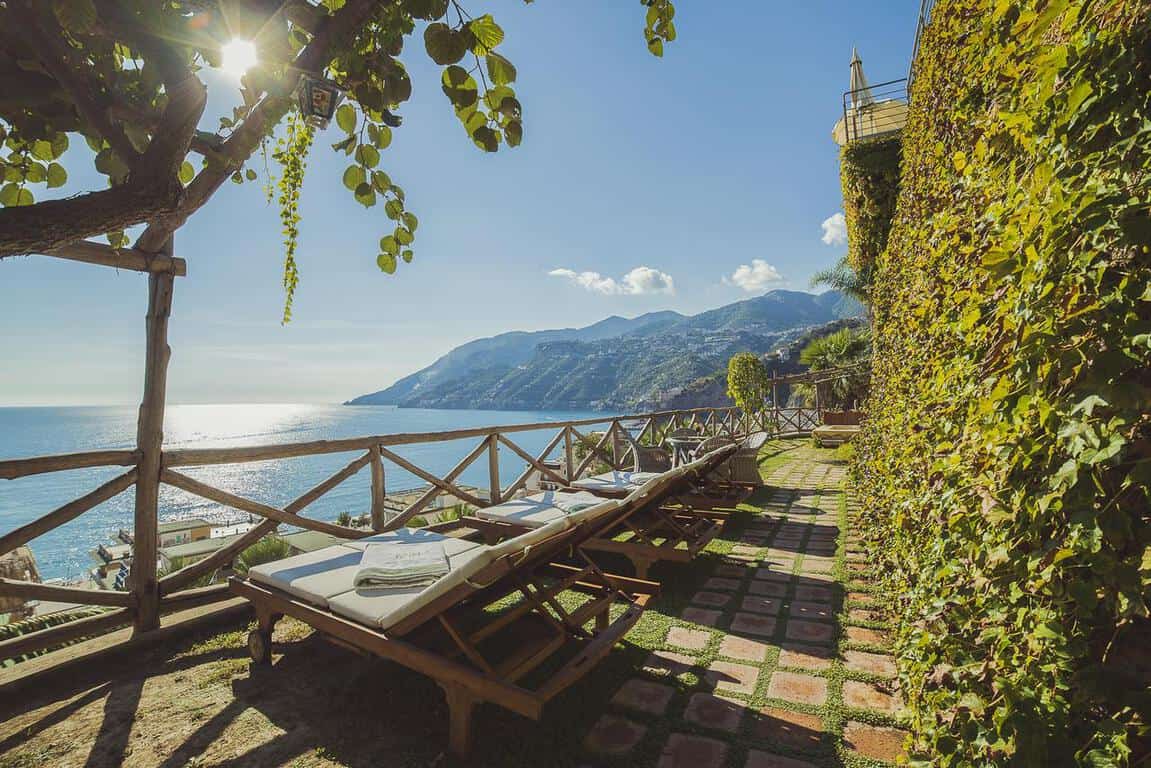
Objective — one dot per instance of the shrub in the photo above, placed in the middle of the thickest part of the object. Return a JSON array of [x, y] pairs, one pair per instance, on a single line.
[[869, 174], [266, 550], [747, 382], [1006, 461]]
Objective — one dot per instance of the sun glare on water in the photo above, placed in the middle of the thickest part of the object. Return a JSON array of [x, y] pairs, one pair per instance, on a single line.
[[239, 56]]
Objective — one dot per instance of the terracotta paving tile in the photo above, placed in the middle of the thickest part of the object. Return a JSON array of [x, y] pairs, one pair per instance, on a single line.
[[810, 631], [868, 636], [669, 663], [643, 696], [801, 609], [790, 729], [713, 599], [868, 696], [736, 678], [767, 588], [805, 656], [730, 571], [814, 594], [864, 614], [743, 648], [874, 742], [711, 711], [613, 735], [753, 624], [772, 572], [693, 639], [757, 759], [758, 604], [797, 687], [684, 751], [871, 663], [719, 583], [703, 616]]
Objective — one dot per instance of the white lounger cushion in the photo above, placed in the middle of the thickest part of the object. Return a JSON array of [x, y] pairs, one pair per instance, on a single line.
[[313, 576], [615, 481], [538, 509]]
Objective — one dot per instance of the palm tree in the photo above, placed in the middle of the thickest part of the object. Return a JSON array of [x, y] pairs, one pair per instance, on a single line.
[[843, 278], [265, 550], [845, 347]]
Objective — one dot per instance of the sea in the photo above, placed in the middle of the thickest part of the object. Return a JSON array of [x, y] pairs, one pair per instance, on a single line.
[[66, 552]]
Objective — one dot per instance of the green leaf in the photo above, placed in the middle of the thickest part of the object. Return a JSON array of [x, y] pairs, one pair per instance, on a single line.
[[383, 137], [42, 150], [250, 174], [381, 182], [514, 133], [444, 45], [394, 209], [410, 221], [389, 245], [36, 173], [76, 16], [353, 177], [486, 139], [655, 45], [500, 70], [407, 255], [57, 176], [387, 263], [187, 172], [403, 236], [460, 87], [346, 118], [368, 155], [428, 10], [9, 194], [365, 195], [487, 33]]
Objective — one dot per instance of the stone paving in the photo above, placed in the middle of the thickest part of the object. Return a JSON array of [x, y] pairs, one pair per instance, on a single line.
[[777, 654]]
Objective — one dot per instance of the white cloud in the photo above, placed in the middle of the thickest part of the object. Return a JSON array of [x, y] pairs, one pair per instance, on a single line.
[[754, 277], [834, 230], [641, 281]]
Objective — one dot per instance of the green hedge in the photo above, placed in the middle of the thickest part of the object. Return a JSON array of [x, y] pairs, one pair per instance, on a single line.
[[869, 173], [1006, 461]]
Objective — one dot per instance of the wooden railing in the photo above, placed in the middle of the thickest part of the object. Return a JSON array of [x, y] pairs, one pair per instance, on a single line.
[[579, 446]]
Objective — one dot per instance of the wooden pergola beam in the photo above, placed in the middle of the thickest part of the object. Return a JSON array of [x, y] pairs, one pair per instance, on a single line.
[[121, 258]]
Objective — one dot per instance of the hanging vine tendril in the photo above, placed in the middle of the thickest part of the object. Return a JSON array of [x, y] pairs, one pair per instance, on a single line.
[[292, 155]]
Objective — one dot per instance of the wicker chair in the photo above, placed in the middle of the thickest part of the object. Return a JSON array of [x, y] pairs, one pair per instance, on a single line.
[[647, 458], [744, 465]]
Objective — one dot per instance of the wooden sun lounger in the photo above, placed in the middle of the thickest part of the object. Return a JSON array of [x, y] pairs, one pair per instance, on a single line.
[[475, 655], [661, 523]]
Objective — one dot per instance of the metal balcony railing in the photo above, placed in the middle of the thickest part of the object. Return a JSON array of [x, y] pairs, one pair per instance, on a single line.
[[874, 111]]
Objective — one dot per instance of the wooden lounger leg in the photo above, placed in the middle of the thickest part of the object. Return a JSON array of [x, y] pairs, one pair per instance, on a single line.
[[461, 702], [642, 566], [260, 638]]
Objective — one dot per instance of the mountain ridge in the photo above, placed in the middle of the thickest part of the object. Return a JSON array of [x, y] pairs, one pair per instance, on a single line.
[[615, 362]]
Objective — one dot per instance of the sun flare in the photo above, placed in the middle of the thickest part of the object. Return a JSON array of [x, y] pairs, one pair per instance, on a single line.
[[239, 56]]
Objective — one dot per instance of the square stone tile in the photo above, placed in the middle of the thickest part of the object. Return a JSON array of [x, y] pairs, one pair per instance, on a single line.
[[745, 549], [668, 663], [772, 573], [753, 624], [797, 687], [758, 604], [736, 678], [767, 588], [743, 648], [711, 599], [874, 742], [814, 593], [868, 636], [861, 598], [801, 609], [790, 729], [810, 631], [685, 751], [711, 711], [871, 663], [730, 571], [643, 696], [703, 616], [865, 614], [816, 565], [613, 735], [868, 696], [805, 656], [692, 639], [718, 583], [758, 759]]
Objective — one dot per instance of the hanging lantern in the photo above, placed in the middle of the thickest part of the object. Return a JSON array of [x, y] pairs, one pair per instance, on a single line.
[[318, 99]]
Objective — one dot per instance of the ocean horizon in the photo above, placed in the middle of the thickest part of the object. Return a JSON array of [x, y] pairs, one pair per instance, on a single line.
[[65, 552]]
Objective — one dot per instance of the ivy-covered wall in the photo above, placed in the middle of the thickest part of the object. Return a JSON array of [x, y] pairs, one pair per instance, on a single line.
[[869, 173], [1006, 461]]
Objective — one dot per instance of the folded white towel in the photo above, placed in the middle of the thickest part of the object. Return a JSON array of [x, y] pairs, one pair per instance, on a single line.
[[574, 502], [401, 565], [639, 478]]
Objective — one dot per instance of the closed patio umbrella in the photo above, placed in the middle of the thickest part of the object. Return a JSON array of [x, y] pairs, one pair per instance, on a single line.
[[860, 90]]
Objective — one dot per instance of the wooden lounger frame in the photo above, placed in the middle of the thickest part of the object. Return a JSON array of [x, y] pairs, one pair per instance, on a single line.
[[444, 638]]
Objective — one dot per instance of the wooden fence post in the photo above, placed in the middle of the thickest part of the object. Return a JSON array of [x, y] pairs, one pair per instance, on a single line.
[[569, 467], [494, 469], [379, 513], [150, 442]]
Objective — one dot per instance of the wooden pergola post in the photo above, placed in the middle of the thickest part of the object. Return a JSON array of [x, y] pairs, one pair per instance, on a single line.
[[149, 443]]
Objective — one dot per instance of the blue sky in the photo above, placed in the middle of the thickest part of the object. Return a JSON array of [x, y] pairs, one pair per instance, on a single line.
[[693, 166]]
